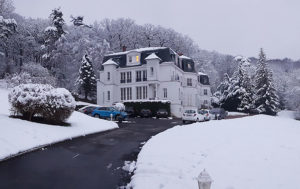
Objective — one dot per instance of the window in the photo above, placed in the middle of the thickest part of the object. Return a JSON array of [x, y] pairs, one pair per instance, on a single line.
[[126, 93], [123, 93], [205, 102], [152, 71], [108, 76], [165, 92], [137, 58], [189, 82], [128, 77], [130, 58], [145, 92], [138, 76], [122, 77], [129, 93], [108, 95], [205, 91], [144, 75], [125, 77], [141, 92], [138, 92]]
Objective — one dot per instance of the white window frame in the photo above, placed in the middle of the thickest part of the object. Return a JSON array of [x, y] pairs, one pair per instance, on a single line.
[[108, 76], [165, 90]]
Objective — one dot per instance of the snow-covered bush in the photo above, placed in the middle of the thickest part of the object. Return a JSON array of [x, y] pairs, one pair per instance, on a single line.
[[53, 104], [31, 73], [119, 106], [59, 105], [27, 99]]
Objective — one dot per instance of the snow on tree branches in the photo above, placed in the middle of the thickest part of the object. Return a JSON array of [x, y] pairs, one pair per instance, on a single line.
[[86, 81], [7, 27], [78, 21], [266, 99], [238, 93], [235, 93]]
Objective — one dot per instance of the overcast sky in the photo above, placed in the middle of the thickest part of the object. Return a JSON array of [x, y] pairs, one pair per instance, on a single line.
[[236, 27]]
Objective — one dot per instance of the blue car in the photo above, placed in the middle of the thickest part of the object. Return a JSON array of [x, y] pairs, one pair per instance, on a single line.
[[108, 113]]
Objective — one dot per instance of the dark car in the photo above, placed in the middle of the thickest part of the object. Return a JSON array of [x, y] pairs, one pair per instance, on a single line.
[[145, 113], [130, 111], [88, 109], [218, 113], [162, 113]]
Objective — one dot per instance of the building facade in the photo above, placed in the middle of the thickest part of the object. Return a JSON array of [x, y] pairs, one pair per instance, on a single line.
[[154, 73]]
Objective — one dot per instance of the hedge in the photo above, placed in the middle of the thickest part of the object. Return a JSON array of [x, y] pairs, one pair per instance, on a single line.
[[154, 106]]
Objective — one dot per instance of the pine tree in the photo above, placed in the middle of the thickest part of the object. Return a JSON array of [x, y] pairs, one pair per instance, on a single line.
[[266, 100], [87, 79], [222, 91], [246, 88]]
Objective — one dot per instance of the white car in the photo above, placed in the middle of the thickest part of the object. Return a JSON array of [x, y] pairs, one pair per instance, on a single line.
[[206, 114], [192, 116]]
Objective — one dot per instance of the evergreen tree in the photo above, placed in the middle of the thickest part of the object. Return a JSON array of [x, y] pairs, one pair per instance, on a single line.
[[266, 100], [222, 91], [86, 81], [246, 88]]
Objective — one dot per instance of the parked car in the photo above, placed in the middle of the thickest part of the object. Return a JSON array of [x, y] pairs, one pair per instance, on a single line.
[[162, 113], [192, 116], [145, 113], [108, 113], [206, 113], [218, 113], [130, 111], [87, 109]]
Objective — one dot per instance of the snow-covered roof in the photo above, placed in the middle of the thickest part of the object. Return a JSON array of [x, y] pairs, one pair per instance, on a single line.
[[110, 62], [182, 56], [152, 56], [201, 73], [138, 50]]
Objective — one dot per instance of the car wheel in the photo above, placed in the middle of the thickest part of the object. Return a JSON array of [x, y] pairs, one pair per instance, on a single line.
[[90, 114], [97, 116], [118, 118], [197, 120], [183, 121]]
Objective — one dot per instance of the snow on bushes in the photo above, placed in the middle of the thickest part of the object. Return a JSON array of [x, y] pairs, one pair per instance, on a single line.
[[31, 73], [53, 104], [119, 106]]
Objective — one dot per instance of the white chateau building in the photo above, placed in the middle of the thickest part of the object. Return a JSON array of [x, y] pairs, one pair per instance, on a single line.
[[154, 73]]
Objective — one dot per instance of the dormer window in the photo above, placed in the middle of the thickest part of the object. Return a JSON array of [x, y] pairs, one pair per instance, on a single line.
[[133, 58]]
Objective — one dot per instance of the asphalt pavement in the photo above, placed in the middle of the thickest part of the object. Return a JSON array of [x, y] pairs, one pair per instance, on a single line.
[[94, 161]]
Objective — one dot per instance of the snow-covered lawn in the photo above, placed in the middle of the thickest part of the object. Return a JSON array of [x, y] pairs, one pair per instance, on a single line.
[[246, 153], [17, 135]]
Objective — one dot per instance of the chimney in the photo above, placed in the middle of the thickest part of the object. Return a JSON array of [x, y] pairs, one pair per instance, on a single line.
[[180, 54], [124, 48]]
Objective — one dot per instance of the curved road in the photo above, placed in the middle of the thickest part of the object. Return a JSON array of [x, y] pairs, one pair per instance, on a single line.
[[93, 161]]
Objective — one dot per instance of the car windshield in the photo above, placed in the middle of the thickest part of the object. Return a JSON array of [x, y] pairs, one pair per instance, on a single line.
[[190, 111]]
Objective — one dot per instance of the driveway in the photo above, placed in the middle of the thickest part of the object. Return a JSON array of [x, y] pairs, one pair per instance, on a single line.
[[94, 161]]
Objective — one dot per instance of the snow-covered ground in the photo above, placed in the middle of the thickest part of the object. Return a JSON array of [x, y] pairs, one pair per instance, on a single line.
[[246, 153], [17, 136]]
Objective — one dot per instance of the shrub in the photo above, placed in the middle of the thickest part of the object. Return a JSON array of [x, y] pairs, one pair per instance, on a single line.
[[154, 106], [59, 105], [31, 73], [55, 105], [119, 106]]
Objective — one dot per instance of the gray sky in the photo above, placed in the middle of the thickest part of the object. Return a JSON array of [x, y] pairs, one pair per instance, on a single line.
[[237, 27]]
